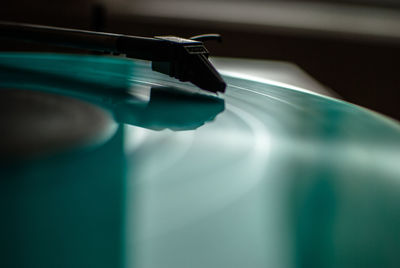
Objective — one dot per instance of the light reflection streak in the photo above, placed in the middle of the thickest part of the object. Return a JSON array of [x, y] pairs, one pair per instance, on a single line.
[[271, 83], [268, 96]]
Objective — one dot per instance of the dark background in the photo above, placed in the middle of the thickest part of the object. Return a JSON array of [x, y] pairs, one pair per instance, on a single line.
[[360, 64]]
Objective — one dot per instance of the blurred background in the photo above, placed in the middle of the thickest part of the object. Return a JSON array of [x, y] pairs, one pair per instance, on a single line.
[[349, 46]]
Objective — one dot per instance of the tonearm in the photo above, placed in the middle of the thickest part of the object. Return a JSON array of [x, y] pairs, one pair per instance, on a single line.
[[184, 59]]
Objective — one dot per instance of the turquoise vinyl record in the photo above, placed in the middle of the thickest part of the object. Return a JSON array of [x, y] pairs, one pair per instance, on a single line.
[[105, 163]]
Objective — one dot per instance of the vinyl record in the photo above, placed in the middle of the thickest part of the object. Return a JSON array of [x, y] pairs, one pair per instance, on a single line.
[[124, 167]]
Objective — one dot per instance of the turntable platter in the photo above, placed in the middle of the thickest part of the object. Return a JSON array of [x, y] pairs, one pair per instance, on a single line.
[[263, 176]]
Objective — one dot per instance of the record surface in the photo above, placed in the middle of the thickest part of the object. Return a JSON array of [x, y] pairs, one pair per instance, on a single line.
[[151, 172]]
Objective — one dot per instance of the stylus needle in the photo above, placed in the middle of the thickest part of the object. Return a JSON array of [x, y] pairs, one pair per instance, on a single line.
[[188, 61]]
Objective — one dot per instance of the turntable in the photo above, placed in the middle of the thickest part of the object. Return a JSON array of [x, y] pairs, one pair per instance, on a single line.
[[106, 163]]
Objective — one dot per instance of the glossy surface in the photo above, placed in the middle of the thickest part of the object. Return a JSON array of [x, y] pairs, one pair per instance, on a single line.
[[265, 176]]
